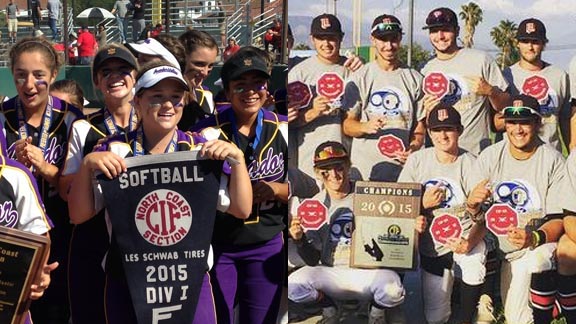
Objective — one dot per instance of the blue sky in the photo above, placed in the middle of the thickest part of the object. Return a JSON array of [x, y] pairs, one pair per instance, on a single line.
[[559, 16]]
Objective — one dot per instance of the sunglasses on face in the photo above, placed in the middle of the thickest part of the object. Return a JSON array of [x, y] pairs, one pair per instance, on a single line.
[[246, 88], [386, 26]]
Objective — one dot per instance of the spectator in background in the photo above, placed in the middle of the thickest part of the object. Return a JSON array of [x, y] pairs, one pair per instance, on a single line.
[[72, 49], [146, 33], [138, 22], [101, 36], [86, 46], [273, 37], [157, 30], [11, 12], [53, 17], [35, 13], [232, 48], [121, 10]]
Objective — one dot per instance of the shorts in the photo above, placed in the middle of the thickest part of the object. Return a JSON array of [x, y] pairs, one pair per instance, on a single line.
[[12, 25]]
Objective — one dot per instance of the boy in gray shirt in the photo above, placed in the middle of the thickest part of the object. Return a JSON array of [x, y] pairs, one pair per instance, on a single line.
[[524, 178], [381, 107], [465, 78], [11, 13], [543, 81]]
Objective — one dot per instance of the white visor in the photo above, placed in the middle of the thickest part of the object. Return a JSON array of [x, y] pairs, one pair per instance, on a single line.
[[151, 77], [150, 46]]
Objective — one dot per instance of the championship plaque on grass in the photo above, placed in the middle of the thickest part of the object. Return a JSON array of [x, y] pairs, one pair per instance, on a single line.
[[21, 256], [384, 235]]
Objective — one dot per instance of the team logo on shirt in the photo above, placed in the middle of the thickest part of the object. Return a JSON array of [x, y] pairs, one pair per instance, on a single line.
[[8, 215], [163, 217], [389, 102], [538, 87], [53, 154], [518, 195], [270, 168], [341, 226]]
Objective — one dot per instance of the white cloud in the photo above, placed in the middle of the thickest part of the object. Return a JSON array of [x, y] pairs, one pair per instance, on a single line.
[[497, 5], [547, 8]]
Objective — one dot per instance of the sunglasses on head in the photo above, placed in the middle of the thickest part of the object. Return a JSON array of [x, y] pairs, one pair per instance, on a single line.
[[330, 153]]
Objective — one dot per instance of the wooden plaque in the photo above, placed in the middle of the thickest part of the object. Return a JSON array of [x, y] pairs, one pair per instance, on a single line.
[[384, 234], [21, 256]]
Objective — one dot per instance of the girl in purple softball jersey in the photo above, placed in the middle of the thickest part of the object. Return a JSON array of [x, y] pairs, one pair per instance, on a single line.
[[249, 254]]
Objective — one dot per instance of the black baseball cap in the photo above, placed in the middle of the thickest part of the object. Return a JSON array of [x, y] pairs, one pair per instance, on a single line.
[[444, 116], [523, 107], [385, 25], [241, 63], [112, 52], [441, 17], [326, 25], [531, 29], [330, 153]]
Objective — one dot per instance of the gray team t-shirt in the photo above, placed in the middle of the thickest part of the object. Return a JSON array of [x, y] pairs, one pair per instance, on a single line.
[[473, 109], [324, 128], [550, 87], [532, 187], [370, 93], [423, 167], [341, 220]]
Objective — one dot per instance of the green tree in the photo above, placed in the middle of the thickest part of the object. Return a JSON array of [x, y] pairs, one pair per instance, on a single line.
[[472, 15], [419, 55], [504, 37]]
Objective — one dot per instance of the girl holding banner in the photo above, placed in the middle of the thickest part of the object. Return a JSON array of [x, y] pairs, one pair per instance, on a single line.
[[249, 256], [36, 126], [160, 92], [114, 75]]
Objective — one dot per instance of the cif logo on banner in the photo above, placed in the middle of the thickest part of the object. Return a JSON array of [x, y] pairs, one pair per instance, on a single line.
[[385, 103], [163, 217], [450, 195], [518, 195], [538, 87], [341, 227]]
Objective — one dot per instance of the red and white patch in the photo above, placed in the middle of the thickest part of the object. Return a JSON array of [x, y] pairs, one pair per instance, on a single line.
[[330, 85], [436, 84], [313, 214], [444, 227], [537, 87], [389, 144], [163, 217], [499, 217], [299, 94]]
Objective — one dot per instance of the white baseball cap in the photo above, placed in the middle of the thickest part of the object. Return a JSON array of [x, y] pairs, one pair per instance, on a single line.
[[151, 77], [150, 46]]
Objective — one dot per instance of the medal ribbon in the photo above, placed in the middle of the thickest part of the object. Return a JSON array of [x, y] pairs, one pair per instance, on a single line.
[[111, 125], [259, 122], [45, 126], [138, 147]]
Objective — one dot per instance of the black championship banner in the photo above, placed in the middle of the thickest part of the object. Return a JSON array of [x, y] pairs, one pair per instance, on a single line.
[[384, 216], [22, 254], [162, 212]]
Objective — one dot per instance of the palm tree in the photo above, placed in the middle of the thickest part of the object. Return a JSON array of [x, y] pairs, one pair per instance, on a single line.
[[504, 37], [472, 15]]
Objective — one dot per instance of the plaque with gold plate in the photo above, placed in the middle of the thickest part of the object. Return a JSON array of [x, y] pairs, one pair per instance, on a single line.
[[21, 256], [384, 234]]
